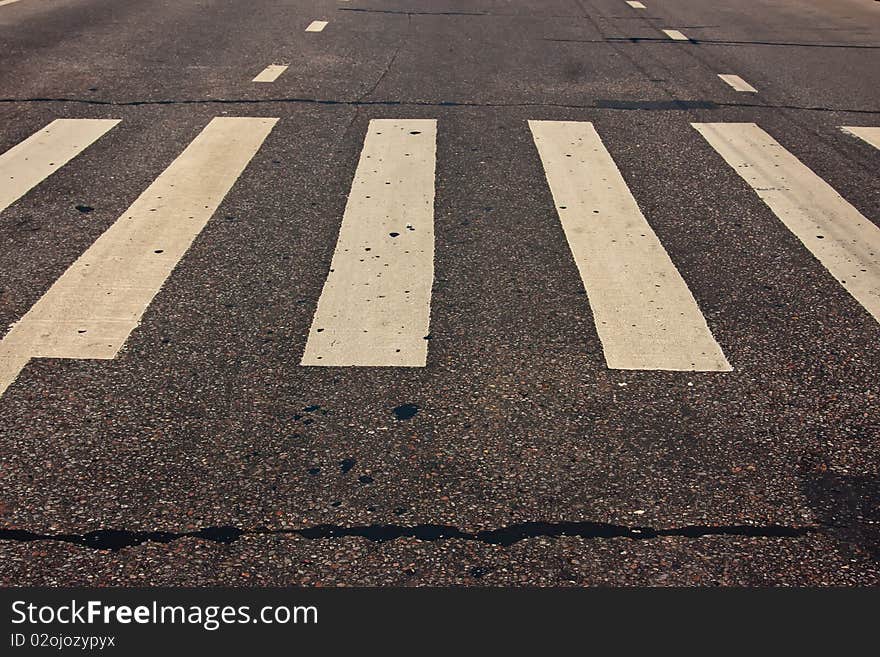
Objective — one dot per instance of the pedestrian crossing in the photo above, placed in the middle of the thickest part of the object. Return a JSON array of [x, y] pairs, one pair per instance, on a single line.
[[870, 135], [375, 306]]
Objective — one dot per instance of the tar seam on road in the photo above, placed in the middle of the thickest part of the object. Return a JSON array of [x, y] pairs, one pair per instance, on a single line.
[[115, 539], [711, 42], [404, 12], [627, 105]]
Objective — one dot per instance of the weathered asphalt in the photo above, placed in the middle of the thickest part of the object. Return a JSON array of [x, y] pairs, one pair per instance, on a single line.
[[206, 419]]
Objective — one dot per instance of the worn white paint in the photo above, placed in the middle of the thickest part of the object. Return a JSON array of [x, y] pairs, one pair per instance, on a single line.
[[646, 317], [635, 5], [376, 303], [92, 308], [27, 164], [316, 26], [843, 240], [270, 73]]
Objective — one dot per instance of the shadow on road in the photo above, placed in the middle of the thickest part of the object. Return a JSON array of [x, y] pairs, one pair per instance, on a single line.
[[848, 506]]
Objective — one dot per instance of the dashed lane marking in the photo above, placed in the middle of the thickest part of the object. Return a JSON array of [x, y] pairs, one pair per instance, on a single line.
[[270, 73], [675, 35], [737, 82]]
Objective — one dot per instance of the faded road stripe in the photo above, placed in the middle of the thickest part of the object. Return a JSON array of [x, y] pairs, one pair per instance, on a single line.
[[27, 164], [868, 134], [316, 26], [737, 82], [92, 308], [844, 241], [376, 304], [645, 314], [270, 73]]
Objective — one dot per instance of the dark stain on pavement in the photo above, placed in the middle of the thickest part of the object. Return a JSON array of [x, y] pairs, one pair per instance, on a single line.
[[405, 411]]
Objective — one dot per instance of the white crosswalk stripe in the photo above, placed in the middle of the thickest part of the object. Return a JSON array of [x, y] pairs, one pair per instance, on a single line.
[[645, 314], [843, 240], [376, 304], [92, 308], [870, 135], [26, 165]]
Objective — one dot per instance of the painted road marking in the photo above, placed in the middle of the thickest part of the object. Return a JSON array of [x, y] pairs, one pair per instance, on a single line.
[[675, 35], [866, 133], [316, 26], [646, 317], [92, 308], [7, 2], [27, 164], [737, 82], [270, 73], [375, 308], [635, 5], [843, 240]]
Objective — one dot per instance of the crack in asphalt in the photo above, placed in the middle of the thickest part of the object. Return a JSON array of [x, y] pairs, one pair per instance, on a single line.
[[117, 539], [605, 104], [715, 42], [390, 62], [405, 12]]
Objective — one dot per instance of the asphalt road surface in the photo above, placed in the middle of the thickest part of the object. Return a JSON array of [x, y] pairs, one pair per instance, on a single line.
[[480, 292]]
